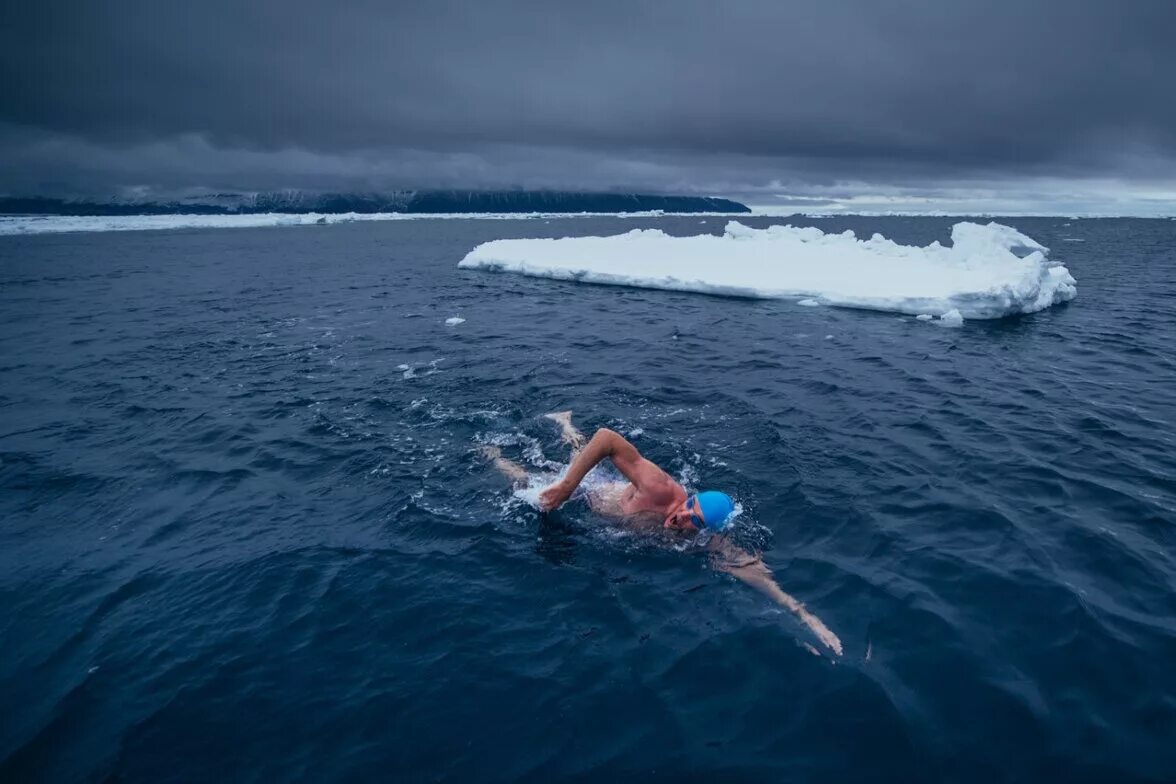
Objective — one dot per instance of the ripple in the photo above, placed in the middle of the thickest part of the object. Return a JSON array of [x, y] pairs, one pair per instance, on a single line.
[[245, 528]]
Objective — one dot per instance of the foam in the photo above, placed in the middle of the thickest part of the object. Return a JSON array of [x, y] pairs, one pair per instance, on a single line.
[[54, 224], [530, 494], [988, 271], [538, 483], [426, 368]]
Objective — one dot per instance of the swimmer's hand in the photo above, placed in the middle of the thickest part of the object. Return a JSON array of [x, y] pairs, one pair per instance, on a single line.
[[553, 497]]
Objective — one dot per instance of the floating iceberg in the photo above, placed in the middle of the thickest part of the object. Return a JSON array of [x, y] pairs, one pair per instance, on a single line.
[[987, 271]]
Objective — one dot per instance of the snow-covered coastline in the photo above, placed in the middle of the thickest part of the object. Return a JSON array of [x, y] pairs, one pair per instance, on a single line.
[[53, 224]]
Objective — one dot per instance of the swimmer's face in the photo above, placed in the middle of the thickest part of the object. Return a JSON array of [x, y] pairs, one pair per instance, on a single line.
[[685, 517]]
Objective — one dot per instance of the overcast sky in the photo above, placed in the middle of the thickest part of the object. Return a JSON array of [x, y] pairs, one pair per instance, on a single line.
[[857, 104]]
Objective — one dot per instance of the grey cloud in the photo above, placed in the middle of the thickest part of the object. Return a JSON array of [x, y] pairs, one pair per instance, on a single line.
[[611, 93]]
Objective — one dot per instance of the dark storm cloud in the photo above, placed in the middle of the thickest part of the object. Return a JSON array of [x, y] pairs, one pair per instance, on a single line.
[[646, 88]]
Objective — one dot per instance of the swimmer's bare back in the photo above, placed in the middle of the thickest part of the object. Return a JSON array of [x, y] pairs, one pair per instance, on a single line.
[[606, 499], [650, 490], [614, 500]]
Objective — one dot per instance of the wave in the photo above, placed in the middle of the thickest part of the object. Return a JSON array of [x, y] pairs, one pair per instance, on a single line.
[[989, 271]]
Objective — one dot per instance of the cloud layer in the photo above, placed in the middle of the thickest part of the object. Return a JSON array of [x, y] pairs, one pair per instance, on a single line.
[[739, 98]]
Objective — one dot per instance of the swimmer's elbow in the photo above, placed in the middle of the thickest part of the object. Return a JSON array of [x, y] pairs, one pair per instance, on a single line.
[[617, 445], [608, 441]]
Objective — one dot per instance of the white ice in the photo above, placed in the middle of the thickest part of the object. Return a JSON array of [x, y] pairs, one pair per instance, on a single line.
[[986, 272], [951, 318]]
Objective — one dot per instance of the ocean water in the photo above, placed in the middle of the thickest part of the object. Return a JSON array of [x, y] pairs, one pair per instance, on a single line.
[[245, 534]]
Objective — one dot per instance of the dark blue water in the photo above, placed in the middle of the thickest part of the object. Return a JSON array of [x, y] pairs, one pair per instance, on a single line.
[[245, 535]]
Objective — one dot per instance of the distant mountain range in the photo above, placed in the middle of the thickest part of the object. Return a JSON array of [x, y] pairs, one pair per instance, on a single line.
[[300, 202]]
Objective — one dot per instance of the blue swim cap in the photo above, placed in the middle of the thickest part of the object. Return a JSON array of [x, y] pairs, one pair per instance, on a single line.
[[716, 509]]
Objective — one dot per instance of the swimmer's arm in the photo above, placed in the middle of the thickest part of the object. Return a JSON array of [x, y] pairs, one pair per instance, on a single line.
[[752, 570], [604, 443]]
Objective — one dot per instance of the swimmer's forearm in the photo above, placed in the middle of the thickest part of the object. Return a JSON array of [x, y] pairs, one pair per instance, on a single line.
[[599, 447], [759, 577]]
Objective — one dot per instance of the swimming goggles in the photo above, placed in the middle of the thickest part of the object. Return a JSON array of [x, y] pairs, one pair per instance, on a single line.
[[698, 523]]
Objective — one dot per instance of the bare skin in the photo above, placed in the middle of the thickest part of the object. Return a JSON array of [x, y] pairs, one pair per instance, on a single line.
[[651, 496], [511, 470]]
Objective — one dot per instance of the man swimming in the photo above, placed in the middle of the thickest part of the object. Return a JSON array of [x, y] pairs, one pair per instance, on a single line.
[[652, 499]]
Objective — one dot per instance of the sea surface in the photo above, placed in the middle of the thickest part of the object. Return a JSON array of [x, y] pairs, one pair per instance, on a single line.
[[246, 534]]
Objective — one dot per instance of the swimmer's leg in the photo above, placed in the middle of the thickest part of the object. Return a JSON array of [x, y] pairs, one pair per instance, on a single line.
[[571, 436], [510, 469]]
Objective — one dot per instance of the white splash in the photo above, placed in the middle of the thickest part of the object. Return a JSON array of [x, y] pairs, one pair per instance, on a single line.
[[530, 494], [987, 272], [426, 368]]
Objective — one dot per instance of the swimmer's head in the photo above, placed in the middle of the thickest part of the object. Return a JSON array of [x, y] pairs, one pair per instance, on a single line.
[[711, 510]]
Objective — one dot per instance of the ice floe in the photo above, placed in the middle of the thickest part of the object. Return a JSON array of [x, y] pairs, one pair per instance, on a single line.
[[988, 271], [951, 318]]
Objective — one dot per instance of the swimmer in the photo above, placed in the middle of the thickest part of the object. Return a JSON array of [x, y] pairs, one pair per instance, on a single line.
[[651, 498]]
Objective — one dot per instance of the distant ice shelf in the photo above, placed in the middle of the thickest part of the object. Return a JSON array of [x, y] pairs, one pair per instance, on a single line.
[[54, 224], [988, 271]]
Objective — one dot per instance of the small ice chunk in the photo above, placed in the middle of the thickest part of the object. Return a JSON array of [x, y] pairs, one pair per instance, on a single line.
[[951, 318], [453, 321], [809, 303], [924, 317]]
